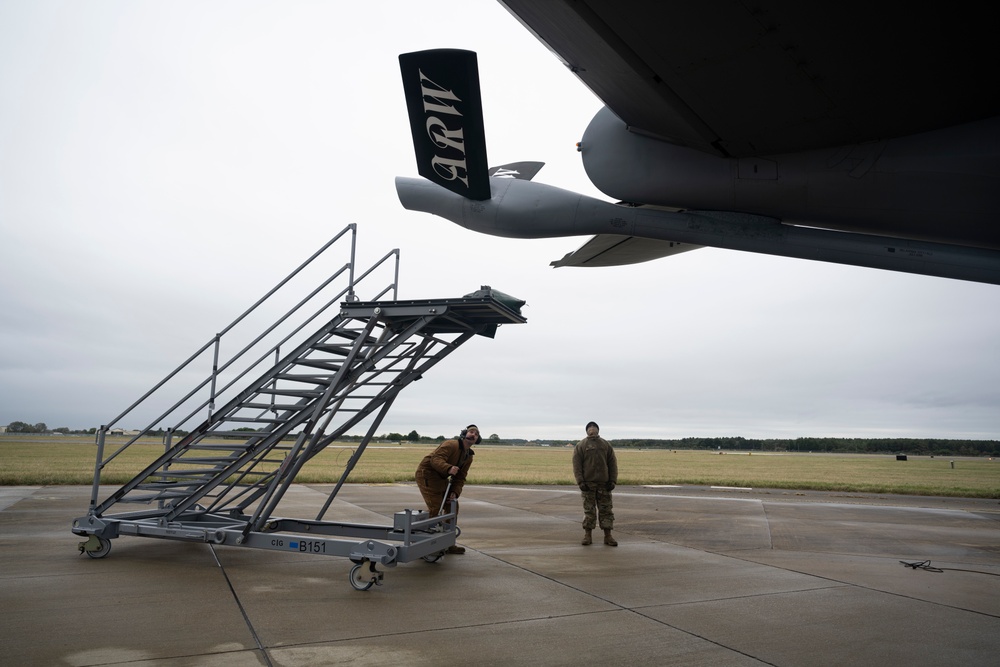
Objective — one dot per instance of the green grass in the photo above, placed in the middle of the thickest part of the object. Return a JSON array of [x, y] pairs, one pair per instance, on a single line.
[[45, 460]]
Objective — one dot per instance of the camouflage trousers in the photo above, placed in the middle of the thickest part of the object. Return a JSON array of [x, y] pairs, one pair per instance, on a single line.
[[598, 503]]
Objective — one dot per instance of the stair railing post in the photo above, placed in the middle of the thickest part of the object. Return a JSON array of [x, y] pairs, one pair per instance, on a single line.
[[395, 278], [215, 375], [98, 465], [274, 382], [168, 437], [351, 296]]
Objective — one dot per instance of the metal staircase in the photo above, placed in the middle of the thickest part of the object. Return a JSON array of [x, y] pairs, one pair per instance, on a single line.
[[259, 417]]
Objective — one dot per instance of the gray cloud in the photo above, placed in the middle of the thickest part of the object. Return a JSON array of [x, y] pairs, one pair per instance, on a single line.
[[165, 164]]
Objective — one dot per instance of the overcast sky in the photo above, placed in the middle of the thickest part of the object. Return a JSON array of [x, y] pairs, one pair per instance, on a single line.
[[163, 164]]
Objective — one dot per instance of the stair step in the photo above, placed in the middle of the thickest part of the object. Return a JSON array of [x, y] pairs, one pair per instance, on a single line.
[[319, 363], [310, 379], [206, 473], [280, 407], [149, 499], [252, 420], [342, 350], [235, 447], [302, 393], [203, 459], [173, 486], [349, 334], [233, 434]]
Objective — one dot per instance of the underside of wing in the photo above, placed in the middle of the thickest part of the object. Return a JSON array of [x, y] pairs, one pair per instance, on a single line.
[[738, 79], [616, 250]]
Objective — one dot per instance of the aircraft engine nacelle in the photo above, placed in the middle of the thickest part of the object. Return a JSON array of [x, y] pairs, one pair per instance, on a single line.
[[636, 168], [879, 187]]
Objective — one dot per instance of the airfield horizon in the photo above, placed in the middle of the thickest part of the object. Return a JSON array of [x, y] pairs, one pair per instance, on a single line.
[[70, 461]]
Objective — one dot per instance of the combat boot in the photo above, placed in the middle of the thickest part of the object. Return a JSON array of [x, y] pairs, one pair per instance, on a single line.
[[610, 541], [587, 539]]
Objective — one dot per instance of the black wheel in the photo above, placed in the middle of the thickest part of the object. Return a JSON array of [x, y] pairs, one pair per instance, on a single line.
[[434, 557], [360, 579], [103, 550]]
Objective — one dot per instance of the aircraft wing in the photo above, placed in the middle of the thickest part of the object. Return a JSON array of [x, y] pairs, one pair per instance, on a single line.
[[616, 250], [740, 79], [851, 132]]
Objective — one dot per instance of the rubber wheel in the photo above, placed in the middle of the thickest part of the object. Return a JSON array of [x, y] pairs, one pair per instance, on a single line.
[[103, 551], [434, 557], [359, 579]]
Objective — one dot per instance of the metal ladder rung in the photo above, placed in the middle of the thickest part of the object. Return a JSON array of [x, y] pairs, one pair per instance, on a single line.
[[310, 379], [206, 473], [341, 350], [235, 447], [149, 499], [163, 486], [319, 363], [301, 393], [254, 420], [349, 334], [279, 407], [203, 459]]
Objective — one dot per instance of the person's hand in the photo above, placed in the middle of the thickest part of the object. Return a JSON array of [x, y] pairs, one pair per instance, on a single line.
[[452, 496], [453, 470], [584, 486], [610, 486]]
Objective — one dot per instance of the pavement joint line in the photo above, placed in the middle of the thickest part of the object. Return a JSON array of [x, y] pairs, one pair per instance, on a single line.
[[849, 584], [636, 610], [702, 637], [239, 604]]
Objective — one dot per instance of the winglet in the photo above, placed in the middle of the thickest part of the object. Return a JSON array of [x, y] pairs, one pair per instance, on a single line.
[[445, 107]]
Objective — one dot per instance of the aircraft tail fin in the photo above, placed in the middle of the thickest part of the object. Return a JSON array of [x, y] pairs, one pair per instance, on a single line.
[[445, 107]]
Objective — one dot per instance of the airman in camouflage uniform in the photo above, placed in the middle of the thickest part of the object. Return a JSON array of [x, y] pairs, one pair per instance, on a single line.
[[596, 471]]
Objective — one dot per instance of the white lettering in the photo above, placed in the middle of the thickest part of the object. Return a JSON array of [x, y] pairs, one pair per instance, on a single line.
[[439, 100], [434, 97], [445, 138], [449, 169]]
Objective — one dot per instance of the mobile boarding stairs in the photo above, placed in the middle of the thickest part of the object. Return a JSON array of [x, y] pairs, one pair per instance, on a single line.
[[236, 441]]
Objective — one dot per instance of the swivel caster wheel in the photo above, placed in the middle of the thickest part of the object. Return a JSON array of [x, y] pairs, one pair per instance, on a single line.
[[96, 547], [362, 580]]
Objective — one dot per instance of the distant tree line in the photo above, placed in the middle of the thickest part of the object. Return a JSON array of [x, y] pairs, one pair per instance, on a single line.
[[24, 427], [915, 446]]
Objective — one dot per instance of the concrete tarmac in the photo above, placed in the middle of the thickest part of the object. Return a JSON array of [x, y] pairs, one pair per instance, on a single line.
[[701, 576]]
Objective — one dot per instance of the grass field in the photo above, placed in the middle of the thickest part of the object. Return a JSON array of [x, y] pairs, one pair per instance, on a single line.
[[44, 460]]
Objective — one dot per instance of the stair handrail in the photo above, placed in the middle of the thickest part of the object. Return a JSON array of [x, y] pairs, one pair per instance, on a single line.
[[348, 293]]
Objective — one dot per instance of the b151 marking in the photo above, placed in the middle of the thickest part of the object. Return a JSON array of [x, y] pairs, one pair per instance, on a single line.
[[308, 546]]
